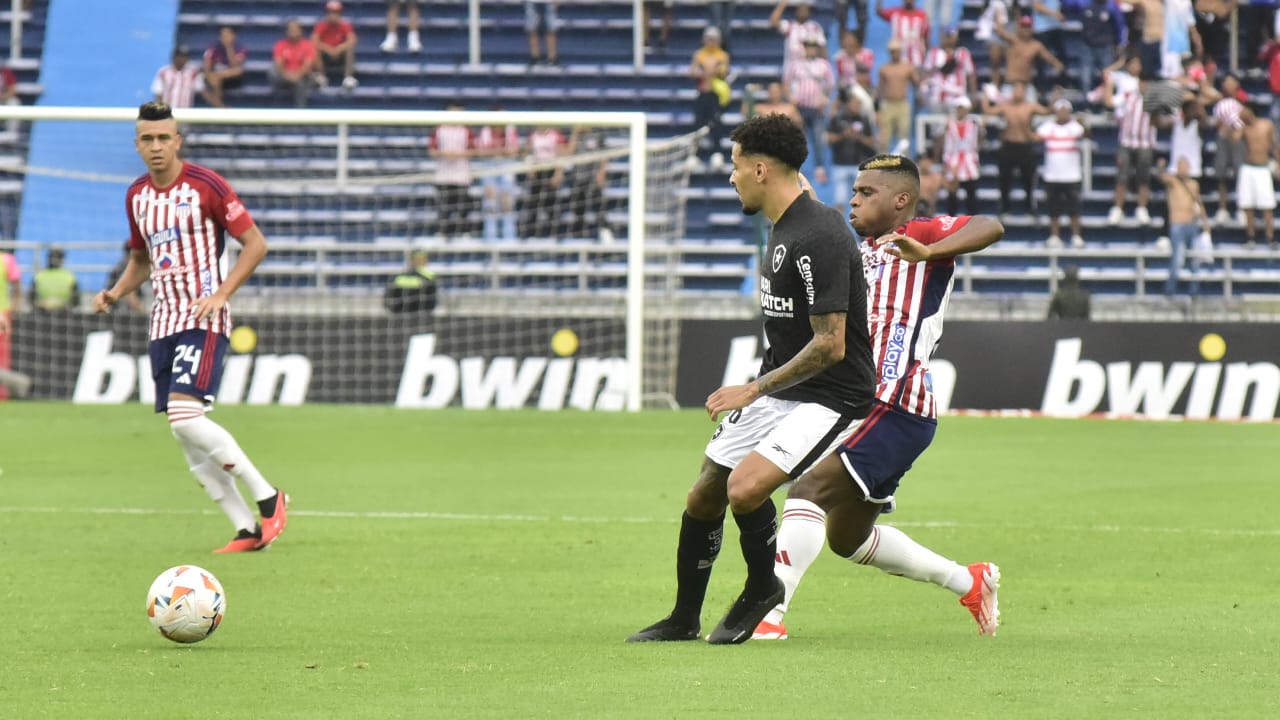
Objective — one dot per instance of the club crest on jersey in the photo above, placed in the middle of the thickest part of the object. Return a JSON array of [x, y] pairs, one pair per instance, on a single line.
[[779, 255], [167, 235], [183, 209]]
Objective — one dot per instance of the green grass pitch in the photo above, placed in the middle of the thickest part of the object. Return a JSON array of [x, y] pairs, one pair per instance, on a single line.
[[463, 564]]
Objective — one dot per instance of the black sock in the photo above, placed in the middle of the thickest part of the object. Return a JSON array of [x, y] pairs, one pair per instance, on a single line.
[[268, 507], [256, 532], [699, 545], [758, 535]]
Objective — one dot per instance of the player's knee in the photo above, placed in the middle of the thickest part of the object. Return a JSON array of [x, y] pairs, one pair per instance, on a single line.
[[846, 543], [747, 493], [184, 418], [705, 502], [707, 499]]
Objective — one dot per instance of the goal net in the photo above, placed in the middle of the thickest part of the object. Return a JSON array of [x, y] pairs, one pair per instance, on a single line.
[[553, 238]]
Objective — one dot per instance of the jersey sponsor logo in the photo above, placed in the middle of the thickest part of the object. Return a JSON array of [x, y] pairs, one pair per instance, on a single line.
[[171, 270], [234, 210], [163, 237], [779, 255], [206, 282], [804, 265], [894, 353], [766, 285], [775, 306], [945, 222], [165, 261]]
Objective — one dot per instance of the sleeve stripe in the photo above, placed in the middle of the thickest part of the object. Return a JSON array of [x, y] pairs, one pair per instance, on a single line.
[[210, 178]]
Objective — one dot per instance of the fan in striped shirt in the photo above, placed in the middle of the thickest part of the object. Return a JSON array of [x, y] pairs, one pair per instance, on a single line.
[[177, 83], [178, 214]]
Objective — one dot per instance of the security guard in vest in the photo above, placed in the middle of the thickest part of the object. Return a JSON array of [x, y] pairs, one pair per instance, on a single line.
[[414, 289], [54, 289]]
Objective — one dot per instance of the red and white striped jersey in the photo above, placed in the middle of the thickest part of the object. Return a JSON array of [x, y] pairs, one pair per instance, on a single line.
[[176, 87], [495, 138], [810, 82], [960, 148], [545, 143], [905, 306], [452, 139], [796, 33], [911, 28], [945, 87], [1063, 161], [1136, 130], [1226, 112], [847, 66], [182, 227]]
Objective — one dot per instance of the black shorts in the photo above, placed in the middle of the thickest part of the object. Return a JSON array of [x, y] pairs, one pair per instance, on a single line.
[[1062, 198]]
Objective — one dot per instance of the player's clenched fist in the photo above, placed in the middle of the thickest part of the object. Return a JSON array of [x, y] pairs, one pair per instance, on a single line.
[[103, 301]]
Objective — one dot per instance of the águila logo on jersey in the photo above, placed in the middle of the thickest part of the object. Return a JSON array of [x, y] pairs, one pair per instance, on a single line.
[[164, 237]]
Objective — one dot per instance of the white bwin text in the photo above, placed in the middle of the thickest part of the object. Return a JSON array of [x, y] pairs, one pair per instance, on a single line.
[[108, 377], [1152, 391], [435, 381]]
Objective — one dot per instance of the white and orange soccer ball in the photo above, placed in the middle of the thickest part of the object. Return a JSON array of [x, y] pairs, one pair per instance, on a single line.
[[186, 603]]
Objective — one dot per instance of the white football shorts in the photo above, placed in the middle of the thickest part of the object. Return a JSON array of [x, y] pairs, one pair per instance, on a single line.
[[1254, 189], [790, 434]]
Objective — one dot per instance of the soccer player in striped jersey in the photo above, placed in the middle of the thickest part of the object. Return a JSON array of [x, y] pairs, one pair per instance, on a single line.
[[813, 390], [910, 264], [179, 213]]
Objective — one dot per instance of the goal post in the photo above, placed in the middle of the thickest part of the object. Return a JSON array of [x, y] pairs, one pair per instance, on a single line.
[[345, 198]]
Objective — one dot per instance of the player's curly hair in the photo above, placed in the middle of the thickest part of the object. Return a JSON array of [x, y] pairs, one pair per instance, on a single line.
[[775, 135], [896, 164], [155, 110]]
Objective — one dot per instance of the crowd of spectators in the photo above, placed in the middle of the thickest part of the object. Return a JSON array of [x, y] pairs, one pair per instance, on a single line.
[[1151, 78]]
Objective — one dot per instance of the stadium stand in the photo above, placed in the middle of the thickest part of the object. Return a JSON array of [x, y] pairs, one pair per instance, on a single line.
[[598, 73], [24, 61]]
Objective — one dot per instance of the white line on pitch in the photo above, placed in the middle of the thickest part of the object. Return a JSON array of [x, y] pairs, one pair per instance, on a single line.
[[426, 515]]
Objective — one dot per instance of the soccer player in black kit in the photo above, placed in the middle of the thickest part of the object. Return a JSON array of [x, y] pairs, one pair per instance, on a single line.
[[814, 387]]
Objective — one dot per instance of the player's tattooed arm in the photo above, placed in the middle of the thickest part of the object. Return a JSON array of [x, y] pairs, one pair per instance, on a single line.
[[824, 350]]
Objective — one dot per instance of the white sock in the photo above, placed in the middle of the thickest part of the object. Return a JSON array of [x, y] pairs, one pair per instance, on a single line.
[[221, 488], [192, 428], [892, 551], [800, 539]]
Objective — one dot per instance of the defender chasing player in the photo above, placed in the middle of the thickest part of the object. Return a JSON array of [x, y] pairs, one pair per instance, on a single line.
[[910, 266]]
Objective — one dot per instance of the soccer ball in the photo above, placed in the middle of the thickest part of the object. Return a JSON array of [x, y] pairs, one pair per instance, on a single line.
[[186, 603]]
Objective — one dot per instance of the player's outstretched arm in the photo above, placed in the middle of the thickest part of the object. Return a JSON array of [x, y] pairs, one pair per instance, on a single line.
[[254, 249], [980, 232], [136, 272]]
